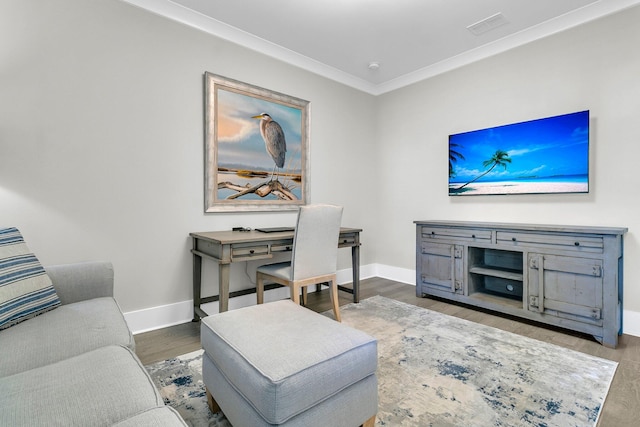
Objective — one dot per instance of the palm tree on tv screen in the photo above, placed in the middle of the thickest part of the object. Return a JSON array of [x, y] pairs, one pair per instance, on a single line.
[[499, 158], [453, 158]]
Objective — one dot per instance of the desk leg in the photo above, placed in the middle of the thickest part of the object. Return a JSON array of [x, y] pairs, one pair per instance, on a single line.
[[355, 267], [197, 283], [223, 287]]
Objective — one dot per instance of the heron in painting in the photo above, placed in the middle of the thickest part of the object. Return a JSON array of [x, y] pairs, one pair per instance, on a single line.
[[274, 142]]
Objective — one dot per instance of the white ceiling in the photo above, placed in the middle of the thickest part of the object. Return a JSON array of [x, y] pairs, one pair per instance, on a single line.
[[410, 39]]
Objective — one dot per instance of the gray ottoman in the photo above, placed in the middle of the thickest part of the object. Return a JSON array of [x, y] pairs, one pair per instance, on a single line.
[[282, 364]]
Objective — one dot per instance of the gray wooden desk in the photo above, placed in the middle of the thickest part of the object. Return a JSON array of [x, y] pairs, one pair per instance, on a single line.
[[226, 247]]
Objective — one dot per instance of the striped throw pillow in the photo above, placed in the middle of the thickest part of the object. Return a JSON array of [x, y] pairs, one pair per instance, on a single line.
[[25, 288]]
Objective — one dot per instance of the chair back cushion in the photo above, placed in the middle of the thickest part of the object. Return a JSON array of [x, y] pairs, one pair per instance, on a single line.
[[315, 244], [25, 288]]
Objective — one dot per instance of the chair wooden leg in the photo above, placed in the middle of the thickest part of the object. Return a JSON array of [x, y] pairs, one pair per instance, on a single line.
[[334, 299], [370, 422], [213, 405], [260, 288], [295, 293], [304, 296]]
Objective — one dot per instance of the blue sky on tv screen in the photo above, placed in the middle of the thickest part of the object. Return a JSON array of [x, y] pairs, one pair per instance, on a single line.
[[544, 148]]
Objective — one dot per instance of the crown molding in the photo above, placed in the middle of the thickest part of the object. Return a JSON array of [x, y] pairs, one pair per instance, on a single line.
[[561, 23], [179, 13]]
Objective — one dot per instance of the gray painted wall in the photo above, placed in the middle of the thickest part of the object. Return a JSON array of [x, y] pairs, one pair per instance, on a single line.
[[594, 66], [101, 139]]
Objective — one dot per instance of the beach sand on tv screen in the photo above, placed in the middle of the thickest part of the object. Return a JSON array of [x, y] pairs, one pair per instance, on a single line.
[[488, 188]]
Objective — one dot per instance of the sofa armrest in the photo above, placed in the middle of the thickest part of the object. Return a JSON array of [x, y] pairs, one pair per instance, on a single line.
[[82, 281]]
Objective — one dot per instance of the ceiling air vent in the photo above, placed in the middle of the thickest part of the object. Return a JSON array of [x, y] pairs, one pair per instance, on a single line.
[[488, 24]]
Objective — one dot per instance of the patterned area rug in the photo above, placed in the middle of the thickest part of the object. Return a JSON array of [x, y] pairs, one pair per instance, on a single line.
[[438, 370]]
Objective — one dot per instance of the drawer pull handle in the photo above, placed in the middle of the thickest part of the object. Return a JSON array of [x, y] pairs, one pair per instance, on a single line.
[[251, 251], [288, 248], [513, 239], [473, 236], [433, 233], [577, 243]]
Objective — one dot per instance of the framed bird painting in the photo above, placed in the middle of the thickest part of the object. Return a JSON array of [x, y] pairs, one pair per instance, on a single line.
[[256, 147]]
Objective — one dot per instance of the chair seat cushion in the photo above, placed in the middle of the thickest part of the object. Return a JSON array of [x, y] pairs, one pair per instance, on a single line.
[[280, 269], [284, 359], [67, 331]]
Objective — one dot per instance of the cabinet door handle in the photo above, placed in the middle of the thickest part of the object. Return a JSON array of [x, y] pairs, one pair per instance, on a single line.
[[541, 284], [473, 236], [513, 239], [452, 253], [577, 243], [251, 251]]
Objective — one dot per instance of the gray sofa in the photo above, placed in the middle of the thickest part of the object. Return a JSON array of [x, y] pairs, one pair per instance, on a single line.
[[75, 365]]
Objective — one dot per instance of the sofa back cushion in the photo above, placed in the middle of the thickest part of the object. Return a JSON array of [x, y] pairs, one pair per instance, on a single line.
[[25, 288]]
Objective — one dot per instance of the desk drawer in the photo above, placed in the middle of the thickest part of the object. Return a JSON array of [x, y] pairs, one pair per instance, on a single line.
[[459, 234], [239, 253], [208, 248], [345, 241], [579, 243], [281, 247]]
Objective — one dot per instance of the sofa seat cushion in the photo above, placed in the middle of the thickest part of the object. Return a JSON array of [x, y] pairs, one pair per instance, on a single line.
[[98, 388], [68, 331], [285, 359], [25, 288], [155, 417]]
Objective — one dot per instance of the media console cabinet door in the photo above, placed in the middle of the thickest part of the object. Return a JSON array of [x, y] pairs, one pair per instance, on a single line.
[[567, 287], [441, 267]]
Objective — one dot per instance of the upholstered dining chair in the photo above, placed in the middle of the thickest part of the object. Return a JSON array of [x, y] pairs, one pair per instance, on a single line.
[[314, 256]]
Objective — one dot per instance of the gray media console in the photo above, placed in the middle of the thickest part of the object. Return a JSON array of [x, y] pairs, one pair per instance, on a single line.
[[568, 276]]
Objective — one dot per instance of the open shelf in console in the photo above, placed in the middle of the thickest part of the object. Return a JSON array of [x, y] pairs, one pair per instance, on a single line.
[[496, 273]]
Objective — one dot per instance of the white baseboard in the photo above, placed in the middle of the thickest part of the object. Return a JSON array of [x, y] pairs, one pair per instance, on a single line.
[[163, 316], [153, 318], [396, 274], [631, 322]]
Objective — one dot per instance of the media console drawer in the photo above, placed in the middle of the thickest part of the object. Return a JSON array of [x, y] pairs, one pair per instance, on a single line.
[[574, 242], [456, 234], [562, 275]]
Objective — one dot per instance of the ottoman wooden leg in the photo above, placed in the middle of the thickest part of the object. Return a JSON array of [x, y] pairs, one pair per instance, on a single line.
[[370, 422], [213, 405]]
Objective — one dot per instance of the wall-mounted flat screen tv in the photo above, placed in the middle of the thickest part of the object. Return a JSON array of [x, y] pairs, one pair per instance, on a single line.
[[549, 155]]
